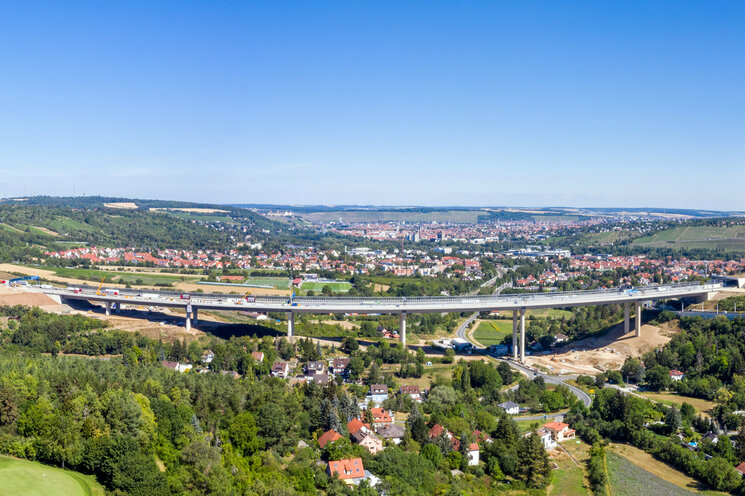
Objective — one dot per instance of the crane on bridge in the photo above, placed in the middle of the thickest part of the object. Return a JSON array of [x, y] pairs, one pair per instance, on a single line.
[[98, 291]]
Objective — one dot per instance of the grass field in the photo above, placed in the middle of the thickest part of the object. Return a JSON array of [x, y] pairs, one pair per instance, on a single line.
[[275, 282], [708, 237], [22, 477], [570, 478], [701, 405], [491, 332], [337, 287]]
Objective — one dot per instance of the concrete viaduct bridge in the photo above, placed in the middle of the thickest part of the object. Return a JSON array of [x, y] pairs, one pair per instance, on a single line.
[[517, 303]]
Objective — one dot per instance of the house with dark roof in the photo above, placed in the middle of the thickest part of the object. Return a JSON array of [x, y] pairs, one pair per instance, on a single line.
[[313, 367], [392, 432], [280, 369], [510, 407], [378, 393], [412, 391], [339, 366]]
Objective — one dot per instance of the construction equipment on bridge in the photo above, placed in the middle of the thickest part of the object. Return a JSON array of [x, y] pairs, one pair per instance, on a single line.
[[247, 298], [98, 291], [16, 280]]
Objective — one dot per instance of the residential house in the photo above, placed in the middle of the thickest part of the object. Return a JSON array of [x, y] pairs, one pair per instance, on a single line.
[[321, 379], [328, 437], [363, 435], [561, 338], [350, 470], [312, 368], [560, 431], [473, 448], [368, 440], [741, 468], [258, 356], [339, 366], [412, 391], [676, 375], [391, 431], [177, 366], [280, 369], [378, 393], [510, 407], [546, 436], [381, 416]]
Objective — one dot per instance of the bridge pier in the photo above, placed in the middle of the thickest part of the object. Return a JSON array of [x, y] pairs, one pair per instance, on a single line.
[[626, 318], [522, 335], [514, 334], [638, 319], [108, 308], [290, 324], [402, 331], [187, 324]]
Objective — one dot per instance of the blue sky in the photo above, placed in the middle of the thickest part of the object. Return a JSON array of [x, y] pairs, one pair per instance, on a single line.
[[627, 103]]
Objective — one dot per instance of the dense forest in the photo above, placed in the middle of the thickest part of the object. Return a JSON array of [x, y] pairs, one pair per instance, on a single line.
[[144, 429]]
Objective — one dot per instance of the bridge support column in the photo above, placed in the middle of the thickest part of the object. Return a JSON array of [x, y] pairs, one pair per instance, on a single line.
[[195, 315], [187, 324], [402, 331], [514, 334], [626, 318], [290, 324], [638, 319], [108, 308], [522, 335]]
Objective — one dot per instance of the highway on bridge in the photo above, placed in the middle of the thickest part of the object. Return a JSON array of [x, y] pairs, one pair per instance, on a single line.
[[518, 303]]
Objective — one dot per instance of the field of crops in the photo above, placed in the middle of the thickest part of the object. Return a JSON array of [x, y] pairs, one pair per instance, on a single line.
[[709, 237], [145, 278], [627, 478]]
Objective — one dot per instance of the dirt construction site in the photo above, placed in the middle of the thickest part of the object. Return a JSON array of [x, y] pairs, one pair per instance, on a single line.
[[594, 355]]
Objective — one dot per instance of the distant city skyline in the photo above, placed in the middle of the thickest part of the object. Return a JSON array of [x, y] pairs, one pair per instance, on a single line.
[[550, 104]]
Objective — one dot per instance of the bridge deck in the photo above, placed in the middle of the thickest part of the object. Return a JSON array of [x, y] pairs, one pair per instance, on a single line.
[[390, 305]]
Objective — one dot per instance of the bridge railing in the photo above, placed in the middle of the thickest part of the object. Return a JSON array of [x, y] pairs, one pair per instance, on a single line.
[[611, 293]]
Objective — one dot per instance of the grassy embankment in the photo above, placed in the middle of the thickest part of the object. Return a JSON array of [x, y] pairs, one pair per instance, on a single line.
[[34, 479]]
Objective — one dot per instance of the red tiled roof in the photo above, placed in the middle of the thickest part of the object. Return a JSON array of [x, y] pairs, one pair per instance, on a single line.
[[556, 426], [328, 437], [347, 469], [355, 424]]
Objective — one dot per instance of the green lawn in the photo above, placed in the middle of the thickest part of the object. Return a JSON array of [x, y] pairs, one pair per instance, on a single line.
[[492, 331], [275, 282], [22, 477], [337, 287], [568, 480]]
